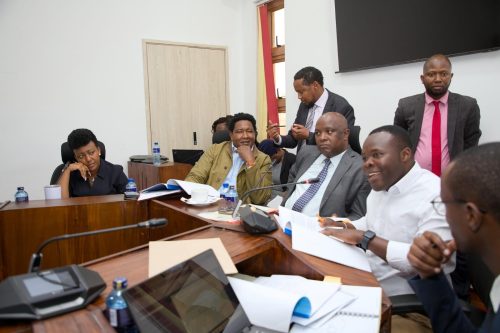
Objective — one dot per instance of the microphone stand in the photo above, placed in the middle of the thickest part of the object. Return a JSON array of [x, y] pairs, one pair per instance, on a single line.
[[36, 258], [247, 193]]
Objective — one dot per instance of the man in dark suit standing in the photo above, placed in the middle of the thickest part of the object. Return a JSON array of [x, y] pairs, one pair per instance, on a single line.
[[315, 101], [470, 200], [343, 187], [441, 124]]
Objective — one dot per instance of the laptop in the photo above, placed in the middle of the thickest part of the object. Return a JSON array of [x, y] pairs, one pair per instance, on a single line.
[[193, 296], [189, 156]]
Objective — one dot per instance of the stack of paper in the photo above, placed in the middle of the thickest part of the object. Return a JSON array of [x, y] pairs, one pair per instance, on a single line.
[[307, 238], [277, 301], [175, 186]]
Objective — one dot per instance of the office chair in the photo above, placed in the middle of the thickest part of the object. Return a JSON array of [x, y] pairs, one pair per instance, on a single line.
[[68, 156], [481, 280], [354, 138], [220, 137]]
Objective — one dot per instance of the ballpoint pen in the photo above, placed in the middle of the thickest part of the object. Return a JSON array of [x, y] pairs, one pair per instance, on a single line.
[[5, 203]]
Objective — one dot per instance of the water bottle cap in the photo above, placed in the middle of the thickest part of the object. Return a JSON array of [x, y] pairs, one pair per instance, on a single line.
[[120, 283], [131, 180], [20, 188]]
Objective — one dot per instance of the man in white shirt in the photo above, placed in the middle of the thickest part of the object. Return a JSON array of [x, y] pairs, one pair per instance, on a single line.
[[343, 188], [398, 209]]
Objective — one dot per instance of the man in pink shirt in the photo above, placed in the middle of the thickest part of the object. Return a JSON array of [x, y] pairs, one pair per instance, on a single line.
[[441, 124]]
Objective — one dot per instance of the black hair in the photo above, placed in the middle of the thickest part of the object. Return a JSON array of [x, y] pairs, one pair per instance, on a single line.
[[221, 120], [241, 116], [475, 176], [81, 137], [400, 134], [309, 75]]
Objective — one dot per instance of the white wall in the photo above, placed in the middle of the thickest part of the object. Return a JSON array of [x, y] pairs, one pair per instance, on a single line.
[[66, 64], [374, 94]]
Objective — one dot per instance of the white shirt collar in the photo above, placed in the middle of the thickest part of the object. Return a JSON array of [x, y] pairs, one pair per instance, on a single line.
[[321, 102], [495, 294], [407, 181]]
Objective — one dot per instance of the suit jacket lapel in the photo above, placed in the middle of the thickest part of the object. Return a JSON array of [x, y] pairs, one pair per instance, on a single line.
[[342, 168], [308, 161], [329, 103], [419, 117], [452, 121]]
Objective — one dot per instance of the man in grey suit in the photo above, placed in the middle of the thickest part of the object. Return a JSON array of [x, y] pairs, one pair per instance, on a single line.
[[458, 115], [343, 187], [315, 101]]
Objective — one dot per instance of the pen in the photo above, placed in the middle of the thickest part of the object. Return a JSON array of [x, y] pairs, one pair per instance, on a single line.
[[5, 203]]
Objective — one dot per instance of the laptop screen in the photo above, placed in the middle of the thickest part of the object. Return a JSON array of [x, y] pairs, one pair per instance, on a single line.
[[189, 156], [193, 296]]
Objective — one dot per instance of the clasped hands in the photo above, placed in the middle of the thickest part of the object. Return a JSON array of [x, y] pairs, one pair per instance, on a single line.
[[299, 132], [84, 171]]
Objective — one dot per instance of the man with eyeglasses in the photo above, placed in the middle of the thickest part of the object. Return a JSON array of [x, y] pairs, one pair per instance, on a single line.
[[90, 174], [236, 162], [398, 209], [471, 202], [441, 124]]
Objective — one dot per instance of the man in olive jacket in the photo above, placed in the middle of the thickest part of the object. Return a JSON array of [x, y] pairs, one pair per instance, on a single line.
[[236, 162]]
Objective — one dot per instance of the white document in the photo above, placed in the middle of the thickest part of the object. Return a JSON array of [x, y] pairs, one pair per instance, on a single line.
[[320, 294], [155, 194], [189, 186], [320, 245], [361, 315], [166, 254], [288, 218]]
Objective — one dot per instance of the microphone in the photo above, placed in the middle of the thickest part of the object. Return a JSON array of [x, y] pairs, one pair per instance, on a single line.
[[247, 193], [36, 258]]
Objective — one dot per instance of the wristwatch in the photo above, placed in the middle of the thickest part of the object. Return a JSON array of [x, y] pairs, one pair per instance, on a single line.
[[367, 237]]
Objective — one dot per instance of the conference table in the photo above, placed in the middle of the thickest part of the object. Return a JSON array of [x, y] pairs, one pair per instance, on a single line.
[[252, 254]]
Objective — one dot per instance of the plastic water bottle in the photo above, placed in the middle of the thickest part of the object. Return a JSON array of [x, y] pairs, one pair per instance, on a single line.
[[131, 185], [223, 203], [117, 309], [156, 154], [231, 198], [21, 195]]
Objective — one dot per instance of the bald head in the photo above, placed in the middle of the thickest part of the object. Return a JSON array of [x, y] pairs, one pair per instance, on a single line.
[[435, 59], [331, 134]]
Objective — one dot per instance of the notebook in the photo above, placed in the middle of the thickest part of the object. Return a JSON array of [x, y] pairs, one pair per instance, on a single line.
[[193, 296], [189, 156]]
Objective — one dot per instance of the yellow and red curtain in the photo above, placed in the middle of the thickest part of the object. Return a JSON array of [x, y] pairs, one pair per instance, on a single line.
[[267, 106]]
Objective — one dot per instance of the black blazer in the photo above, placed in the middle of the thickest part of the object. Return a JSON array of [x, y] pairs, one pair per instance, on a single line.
[[463, 121], [335, 103], [288, 161]]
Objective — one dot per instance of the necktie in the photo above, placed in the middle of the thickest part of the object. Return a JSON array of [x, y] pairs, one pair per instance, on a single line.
[[436, 140], [309, 123], [312, 190], [310, 117]]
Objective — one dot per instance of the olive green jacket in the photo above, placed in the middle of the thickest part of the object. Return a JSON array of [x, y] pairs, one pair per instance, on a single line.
[[215, 163]]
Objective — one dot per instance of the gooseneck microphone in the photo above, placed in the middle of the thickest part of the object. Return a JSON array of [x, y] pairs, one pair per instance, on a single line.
[[247, 193], [36, 258]]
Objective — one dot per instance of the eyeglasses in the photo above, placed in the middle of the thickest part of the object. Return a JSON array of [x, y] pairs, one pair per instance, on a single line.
[[440, 205], [89, 153]]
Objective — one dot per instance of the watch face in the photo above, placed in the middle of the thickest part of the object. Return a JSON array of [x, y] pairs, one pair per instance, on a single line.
[[369, 234]]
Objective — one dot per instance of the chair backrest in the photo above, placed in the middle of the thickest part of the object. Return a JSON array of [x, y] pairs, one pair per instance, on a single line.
[[68, 156], [354, 138], [220, 136]]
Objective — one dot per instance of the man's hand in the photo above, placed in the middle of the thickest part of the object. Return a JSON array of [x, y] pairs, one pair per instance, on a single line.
[[273, 131], [300, 132], [84, 171], [349, 236], [246, 154], [428, 252]]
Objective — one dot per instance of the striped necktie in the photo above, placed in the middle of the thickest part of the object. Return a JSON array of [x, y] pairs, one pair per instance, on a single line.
[[312, 190]]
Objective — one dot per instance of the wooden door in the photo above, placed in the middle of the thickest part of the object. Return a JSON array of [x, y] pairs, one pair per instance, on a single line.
[[186, 90]]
